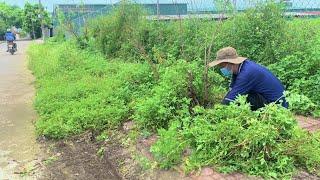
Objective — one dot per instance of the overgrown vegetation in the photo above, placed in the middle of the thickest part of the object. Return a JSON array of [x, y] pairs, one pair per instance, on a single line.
[[299, 71], [79, 90], [154, 74], [266, 143]]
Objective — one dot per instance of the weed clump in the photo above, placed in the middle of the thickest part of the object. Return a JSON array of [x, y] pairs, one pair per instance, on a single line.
[[265, 143]]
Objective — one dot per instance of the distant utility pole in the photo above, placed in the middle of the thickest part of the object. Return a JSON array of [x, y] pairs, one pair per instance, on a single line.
[[235, 10], [41, 19], [158, 10]]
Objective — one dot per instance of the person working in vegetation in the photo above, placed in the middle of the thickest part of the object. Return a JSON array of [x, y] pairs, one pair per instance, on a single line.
[[249, 78]]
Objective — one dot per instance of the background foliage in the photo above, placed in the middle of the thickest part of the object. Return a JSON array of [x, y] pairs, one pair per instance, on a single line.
[[9, 16], [29, 18], [33, 16]]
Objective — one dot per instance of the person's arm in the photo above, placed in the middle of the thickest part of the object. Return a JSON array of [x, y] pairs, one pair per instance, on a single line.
[[242, 85]]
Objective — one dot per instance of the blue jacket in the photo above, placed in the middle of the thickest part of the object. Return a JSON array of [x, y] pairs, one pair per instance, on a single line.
[[9, 36], [254, 78]]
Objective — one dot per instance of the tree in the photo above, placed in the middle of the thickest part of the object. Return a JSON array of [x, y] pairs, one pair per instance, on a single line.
[[34, 16], [2, 27], [9, 16]]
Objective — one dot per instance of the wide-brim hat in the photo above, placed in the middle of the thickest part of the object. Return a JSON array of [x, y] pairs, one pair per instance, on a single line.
[[229, 55]]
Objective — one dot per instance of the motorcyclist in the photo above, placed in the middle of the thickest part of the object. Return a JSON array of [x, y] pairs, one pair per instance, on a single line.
[[10, 37]]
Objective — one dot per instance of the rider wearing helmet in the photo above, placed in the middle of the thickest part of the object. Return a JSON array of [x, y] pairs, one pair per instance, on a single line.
[[9, 37]]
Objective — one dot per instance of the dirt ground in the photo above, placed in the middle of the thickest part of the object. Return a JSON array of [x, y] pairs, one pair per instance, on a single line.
[[309, 123], [83, 157], [77, 158]]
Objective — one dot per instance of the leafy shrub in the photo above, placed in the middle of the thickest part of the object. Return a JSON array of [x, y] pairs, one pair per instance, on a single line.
[[266, 143], [125, 33], [300, 104], [183, 40], [299, 72], [309, 86], [10, 16], [164, 100], [316, 113], [302, 35], [31, 21], [170, 97], [117, 34], [234, 138], [169, 147], [304, 148], [79, 91], [257, 34]]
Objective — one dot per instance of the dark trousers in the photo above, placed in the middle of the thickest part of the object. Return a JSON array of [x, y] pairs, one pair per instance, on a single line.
[[256, 100]]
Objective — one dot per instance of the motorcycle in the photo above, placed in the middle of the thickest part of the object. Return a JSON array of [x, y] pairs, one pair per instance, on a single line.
[[12, 47]]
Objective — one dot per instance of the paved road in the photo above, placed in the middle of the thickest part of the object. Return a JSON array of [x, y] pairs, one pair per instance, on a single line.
[[18, 147]]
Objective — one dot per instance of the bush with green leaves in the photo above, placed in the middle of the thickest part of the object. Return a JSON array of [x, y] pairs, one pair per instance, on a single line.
[[300, 70], [3, 27], [169, 148], [299, 103], [237, 139], [126, 33], [157, 107], [234, 138], [77, 90], [186, 39], [261, 34], [117, 34], [170, 97], [309, 86], [304, 148], [258, 33]]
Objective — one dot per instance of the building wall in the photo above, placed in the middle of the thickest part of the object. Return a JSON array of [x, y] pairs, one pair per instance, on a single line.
[[164, 9], [167, 9]]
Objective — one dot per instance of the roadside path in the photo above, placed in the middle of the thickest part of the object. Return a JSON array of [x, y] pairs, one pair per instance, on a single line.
[[19, 150]]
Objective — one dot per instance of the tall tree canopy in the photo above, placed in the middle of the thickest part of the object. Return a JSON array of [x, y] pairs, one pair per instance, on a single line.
[[34, 16]]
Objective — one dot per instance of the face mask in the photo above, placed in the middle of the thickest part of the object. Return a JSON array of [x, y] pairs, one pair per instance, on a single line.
[[226, 72]]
